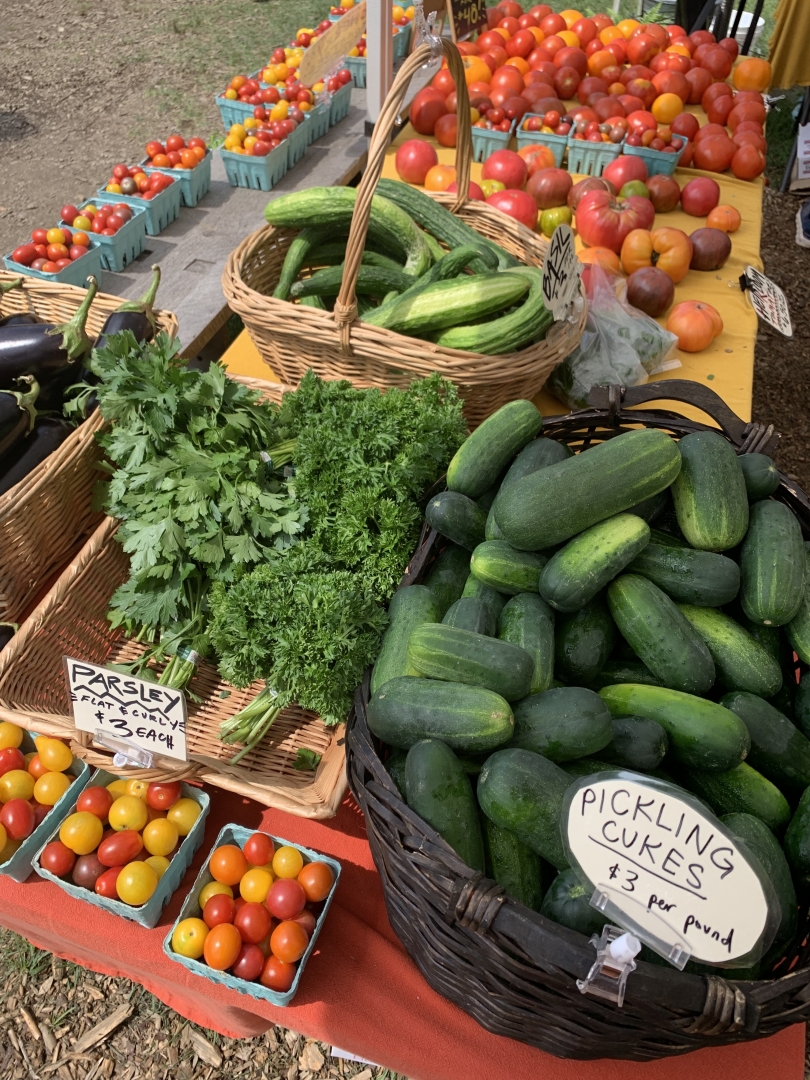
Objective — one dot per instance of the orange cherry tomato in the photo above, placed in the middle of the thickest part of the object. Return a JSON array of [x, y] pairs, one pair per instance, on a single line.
[[222, 946], [37, 768], [276, 975], [228, 865], [289, 941], [317, 879]]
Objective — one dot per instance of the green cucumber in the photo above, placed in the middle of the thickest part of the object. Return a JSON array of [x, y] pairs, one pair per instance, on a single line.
[[772, 564], [587, 767], [300, 250], [741, 662], [552, 505], [760, 474], [410, 606], [709, 494], [562, 724], [778, 749], [524, 792], [483, 456], [447, 576], [663, 637], [703, 735], [637, 743], [508, 571], [454, 655], [538, 454], [651, 508], [568, 902], [581, 569], [458, 518], [489, 597], [395, 766], [527, 322], [439, 791], [443, 305], [695, 577], [798, 629], [764, 846], [468, 718], [668, 539], [373, 280], [801, 706], [797, 839], [515, 866], [624, 671], [469, 613], [740, 790], [583, 642], [528, 621]]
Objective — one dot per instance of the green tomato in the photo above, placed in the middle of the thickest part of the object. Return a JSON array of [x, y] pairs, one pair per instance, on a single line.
[[634, 187], [557, 215], [489, 187]]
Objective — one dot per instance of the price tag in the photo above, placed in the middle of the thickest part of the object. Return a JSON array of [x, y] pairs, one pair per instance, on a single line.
[[664, 867], [561, 270], [137, 712], [467, 17], [770, 303], [331, 47]]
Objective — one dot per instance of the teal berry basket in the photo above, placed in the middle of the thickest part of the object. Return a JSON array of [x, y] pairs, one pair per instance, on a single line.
[[262, 173], [402, 40], [357, 66], [235, 834], [159, 212], [118, 251], [297, 142], [591, 158], [76, 274], [316, 122], [19, 866], [657, 162], [486, 142], [557, 144], [147, 914], [232, 112], [339, 105], [194, 183]]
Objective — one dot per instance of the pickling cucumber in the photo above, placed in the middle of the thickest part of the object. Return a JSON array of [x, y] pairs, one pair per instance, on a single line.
[[703, 578], [583, 642], [760, 474], [458, 518], [447, 576], [798, 629], [562, 724], [528, 621], [438, 789], [484, 455], [740, 790], [489, 597], [468, 613], [410, 606], [445, 652], [709, 494], [508, 571], [515, 866], [538, 454], [797, 839], [778, 749], [772, 565], [624, 671], [636, 743], [741, 662], [568, 902]]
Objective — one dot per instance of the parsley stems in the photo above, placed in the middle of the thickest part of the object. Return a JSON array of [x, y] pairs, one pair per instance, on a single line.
[[251, 724], [282, 453]]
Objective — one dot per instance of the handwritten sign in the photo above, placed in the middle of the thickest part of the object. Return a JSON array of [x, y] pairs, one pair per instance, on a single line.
[[561, 269], [330, 48], [770, 303], [672, 873], [467, 17], [135, 711]]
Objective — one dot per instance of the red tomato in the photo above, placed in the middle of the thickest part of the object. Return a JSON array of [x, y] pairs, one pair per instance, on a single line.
[[253, 922], [57, 859], [120, 848], [25, 254], [222, 946], [68, 212], [317, 880], [40, 812], [714, 153], [516, 204], [700, 196], [17, 815], [95, 800], [163, 796], [603, 221], [11, 757], [259, 848], [276, 975], [220, 908], [40, 236], [153, 148], [177, 142], [48, 267], [75, 251], [106, 884], [426, 108], [506, 166], [307, 920], [249, 963], [286, 898], [748, 162], [120, 171]]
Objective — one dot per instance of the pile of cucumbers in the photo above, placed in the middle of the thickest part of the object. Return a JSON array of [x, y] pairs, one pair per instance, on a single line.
[[636, 605]]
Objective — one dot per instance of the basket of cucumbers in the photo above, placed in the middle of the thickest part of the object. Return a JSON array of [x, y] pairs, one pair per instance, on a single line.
[[617, 588], [382, 284]]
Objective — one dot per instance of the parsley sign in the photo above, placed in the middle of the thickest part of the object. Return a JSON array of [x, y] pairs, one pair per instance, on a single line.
[[134, 710], [560, 272]]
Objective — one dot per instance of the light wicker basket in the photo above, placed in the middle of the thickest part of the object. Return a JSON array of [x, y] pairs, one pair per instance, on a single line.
[[72, 621], [45, 519], [292, 338]]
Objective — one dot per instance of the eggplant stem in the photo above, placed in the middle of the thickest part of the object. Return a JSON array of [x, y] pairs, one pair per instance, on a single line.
[[75, 341], [146, 302], [7, 286]]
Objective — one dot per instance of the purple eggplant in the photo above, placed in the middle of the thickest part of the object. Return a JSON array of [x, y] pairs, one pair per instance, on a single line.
[[134, 315], [42, 349], [7, 632], [20, 319], [17, 414], [48, 435]]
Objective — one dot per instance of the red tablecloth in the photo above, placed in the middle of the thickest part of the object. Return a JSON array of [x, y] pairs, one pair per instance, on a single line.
[[360, 990]]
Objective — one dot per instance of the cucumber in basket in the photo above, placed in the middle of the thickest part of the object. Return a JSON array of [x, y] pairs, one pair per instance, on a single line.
[[710, 498], [409, 608], [439, 790], [455, 655], [538, 454]]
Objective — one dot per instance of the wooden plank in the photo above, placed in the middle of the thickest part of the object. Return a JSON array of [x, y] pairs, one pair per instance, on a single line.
[[193, 250]]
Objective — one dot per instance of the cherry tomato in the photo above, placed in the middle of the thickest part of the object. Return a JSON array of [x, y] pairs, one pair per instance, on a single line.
[[106, 885], [11, 758], [16, 784], [160, 836], [134, 787], [25, 254], [253, 923], [307, 920], [53, 236], [214, 888], [120, 171], [249, 963], [95, 800], [227, 864], [81, 832], [188, 159], [57, 859], [10, 735], [53, 752], [317, 880], [160, 161], [128, 811], [222, 946], [125, 212], [218, 909], [188, 938], [289, 941], [47, 267], [199, 153], [259, 849], [136, 883], [159, 863], [286, 899], [240, 902], [120, 848], [40, 236], [117, 788], [195, 142], [50, 787], [255, 885], [143, 183], [154, 147], [184, 813], [287, 862], [40, 812], [62, 263], [87, 871], [163, 796], [276, 975], [75, 251], [175, 142], [174, 157]]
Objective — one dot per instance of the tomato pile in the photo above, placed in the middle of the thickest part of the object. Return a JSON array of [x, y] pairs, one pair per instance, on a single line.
[[103, 220], [264, 931], [132, 181], [124, 861], [30, 784], [176, 153], [51, 250]]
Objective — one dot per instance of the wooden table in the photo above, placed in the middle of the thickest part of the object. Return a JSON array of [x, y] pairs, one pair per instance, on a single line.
[[193, 250]]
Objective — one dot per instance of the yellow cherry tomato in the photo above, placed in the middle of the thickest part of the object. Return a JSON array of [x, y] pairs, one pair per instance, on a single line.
[[255, 885], [231, 143], [214, 888], [10, 735], [188, 938], [91, 208], [136, 883], [287, 862], [113, 189], [81, 832], [55, 236], [128, 812], [250, 142], [50, 787], [159, 863], [118, 788], [160, 836], [250, 123], [16, 784], [137, 788], [82, 222], [231, 94], [184, 813], [238, 130], [53, 753], [3, 838]]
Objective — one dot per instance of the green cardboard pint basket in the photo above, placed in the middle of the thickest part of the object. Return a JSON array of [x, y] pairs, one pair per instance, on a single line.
[[557, 144], [339, 105], [262, 173], [591, 158], [316, 122], [486, 141], [147, 914], [657, 161], [19, 866], [194, 183], [235, 834], [118, 251], [76, 274], [159, 212]]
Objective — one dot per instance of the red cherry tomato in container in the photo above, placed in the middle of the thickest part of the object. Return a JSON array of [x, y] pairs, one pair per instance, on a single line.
[[286, 898], [219, 909], [120, 848], [253, 923], [95, 800], [162, 796], [18, 818], [249, 962], [57, 859], [106, 884], [307, 920], [259, 849], [277, 975], [11, 758]]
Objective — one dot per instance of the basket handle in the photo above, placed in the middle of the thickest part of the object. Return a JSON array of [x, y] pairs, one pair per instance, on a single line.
[[346, 303]]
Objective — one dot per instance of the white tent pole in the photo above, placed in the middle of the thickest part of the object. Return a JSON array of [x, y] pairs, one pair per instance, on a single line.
[[379, 55]]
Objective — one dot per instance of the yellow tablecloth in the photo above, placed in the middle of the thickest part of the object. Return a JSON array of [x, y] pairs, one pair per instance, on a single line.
[[789, 53]]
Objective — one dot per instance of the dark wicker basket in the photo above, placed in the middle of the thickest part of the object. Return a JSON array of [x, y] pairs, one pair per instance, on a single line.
[[508, 967]]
